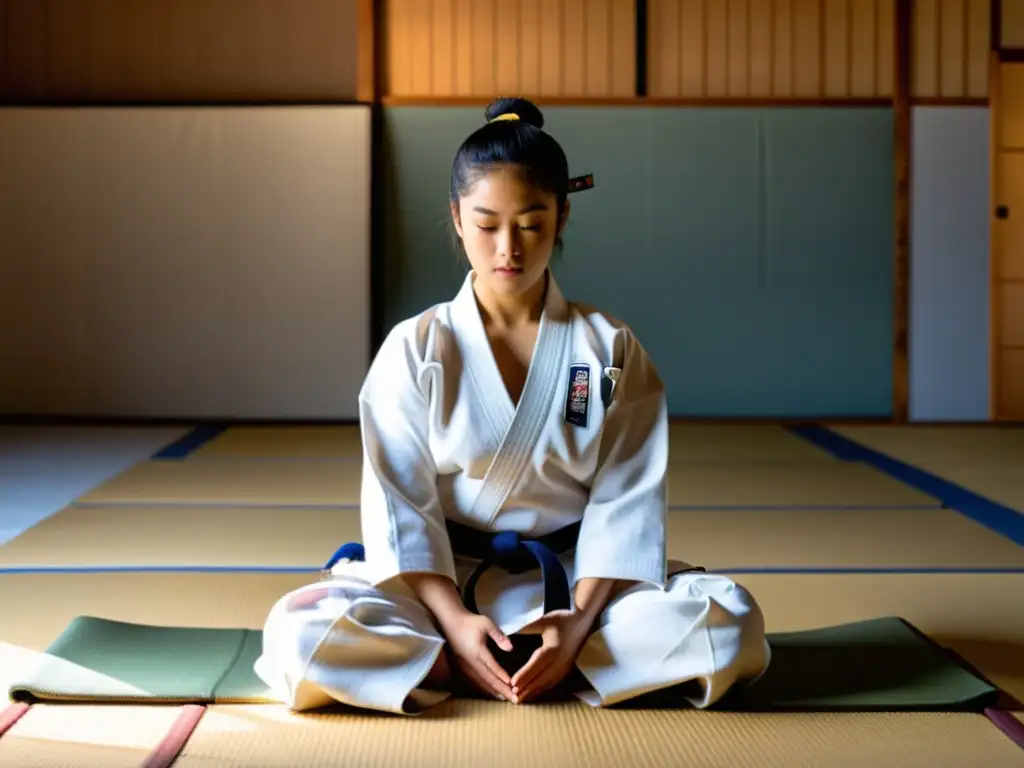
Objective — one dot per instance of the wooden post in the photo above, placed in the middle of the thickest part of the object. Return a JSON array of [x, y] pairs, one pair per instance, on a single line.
[[366, 70], [901, 96]]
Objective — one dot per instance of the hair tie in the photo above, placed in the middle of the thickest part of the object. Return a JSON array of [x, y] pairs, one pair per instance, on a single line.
[[506, 116]]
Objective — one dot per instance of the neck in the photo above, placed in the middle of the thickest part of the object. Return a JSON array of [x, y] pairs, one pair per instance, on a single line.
[[508, 311]]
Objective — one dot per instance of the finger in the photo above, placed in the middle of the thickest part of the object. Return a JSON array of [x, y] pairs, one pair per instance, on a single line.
[[485, 658], [480, 680], [495, 673], [538, 660], [491, 672], [500, 638], [544, 682]]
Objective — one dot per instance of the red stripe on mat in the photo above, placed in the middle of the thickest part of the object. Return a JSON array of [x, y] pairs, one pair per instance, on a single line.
[[12, 714], [1008, 724], [167, 751]]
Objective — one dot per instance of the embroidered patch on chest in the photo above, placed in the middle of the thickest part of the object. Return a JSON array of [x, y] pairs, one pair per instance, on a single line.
[[577, 402]]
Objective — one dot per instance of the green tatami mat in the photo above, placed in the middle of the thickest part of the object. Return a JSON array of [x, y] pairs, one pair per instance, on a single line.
[[880, 664]]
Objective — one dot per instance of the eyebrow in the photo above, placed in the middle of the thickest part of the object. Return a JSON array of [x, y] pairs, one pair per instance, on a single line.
[[528, 209]]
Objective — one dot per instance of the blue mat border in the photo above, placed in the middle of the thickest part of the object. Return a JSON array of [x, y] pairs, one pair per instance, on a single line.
[[190, 441], [998, 518]]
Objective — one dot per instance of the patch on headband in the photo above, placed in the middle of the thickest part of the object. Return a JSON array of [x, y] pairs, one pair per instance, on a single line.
[[581, 183]]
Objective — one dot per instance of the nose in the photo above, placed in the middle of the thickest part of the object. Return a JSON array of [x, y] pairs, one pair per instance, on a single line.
[[509, 241]]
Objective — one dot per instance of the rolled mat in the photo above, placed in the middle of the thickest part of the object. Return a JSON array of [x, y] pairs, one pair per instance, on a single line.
[[882, 664]]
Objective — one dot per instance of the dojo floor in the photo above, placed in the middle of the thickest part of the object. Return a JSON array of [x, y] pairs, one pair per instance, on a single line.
[[827, 526]]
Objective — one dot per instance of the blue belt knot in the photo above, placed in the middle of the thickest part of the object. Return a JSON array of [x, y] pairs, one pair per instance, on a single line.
[[513, 553], [507, 550]]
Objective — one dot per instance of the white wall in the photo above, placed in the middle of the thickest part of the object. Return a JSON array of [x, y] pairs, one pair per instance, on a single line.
[[184, 262], [949, 272]]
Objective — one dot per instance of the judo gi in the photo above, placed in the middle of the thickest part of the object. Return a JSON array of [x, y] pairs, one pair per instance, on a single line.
[[448, 454]]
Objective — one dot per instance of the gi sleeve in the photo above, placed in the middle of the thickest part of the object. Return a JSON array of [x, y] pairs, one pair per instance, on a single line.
[[622, 534], [401, 516]]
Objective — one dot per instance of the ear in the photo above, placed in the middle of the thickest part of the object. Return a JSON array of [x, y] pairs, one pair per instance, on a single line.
[[563, 219], [456, 219]]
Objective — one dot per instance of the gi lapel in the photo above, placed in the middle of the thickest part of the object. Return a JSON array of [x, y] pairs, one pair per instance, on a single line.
[[519, 427]]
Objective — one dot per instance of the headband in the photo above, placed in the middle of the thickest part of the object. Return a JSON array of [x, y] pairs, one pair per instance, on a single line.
[[577, 184]]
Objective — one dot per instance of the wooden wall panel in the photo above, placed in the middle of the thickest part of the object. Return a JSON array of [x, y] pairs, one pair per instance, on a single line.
[[481, 48], [99, 51], [770, 49], [951, 49], [1011, 24]]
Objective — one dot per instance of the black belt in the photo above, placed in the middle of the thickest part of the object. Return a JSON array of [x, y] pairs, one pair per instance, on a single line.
[[507, 550]]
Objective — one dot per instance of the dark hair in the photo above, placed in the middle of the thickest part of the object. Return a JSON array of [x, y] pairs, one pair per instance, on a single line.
[[521, 142]]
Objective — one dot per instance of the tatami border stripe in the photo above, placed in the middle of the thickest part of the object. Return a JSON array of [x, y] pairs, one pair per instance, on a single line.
[[191, 441], [170, 747], [1008, 724], [11, 714], [997, 517]]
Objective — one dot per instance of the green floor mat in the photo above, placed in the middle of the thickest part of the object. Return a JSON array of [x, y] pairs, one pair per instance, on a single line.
[[97, 660], [880, 664]]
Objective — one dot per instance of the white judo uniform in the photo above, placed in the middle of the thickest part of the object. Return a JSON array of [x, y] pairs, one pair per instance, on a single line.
[[443, 441]]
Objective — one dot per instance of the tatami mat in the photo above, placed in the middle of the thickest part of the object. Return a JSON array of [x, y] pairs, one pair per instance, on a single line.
[[475, 733], [187, 536], [688, 441], [740, 443], [756, 484], [235, 482], [1001, 484], [292, 442], [987, 460], [970, 613], [935, 448], [85, 736], [864, 539], [694, 485], [975, 613], [306, 538]]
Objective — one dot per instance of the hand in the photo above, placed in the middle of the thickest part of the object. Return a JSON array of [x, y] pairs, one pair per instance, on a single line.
[[467, 639], [562, 635]]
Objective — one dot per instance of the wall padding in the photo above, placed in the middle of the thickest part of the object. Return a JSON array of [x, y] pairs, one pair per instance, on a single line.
[[949, 293], [750, 249], [179, 262]]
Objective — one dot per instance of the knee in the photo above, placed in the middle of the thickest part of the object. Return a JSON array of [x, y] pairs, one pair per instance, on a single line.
[[727, 601]]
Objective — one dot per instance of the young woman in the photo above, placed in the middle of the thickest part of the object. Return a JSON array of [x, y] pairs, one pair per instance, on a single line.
[[514, 490]]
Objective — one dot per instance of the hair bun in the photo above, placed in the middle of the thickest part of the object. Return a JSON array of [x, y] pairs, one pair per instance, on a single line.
[[524, 108]]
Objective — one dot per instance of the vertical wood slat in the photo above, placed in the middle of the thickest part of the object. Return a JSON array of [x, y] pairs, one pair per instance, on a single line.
[[366, 51], [764, 49], [153, 51], [813, 49], [951, 48], [1011, 24], [467, 48]]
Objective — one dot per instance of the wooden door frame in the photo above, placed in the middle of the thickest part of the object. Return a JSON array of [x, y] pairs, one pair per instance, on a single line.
[[994, 231], [998, 59]]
